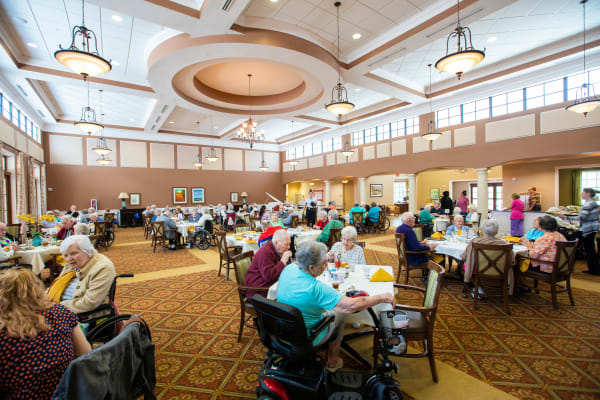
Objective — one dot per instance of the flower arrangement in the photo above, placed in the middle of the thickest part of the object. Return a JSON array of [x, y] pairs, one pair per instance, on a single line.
[[26, 218], [47, 217]]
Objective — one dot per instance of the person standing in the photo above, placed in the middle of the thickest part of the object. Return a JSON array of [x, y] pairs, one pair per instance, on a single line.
[[463, 203], [310, 204], [446, 202], [588, 217], [516, 215], [534, 203]]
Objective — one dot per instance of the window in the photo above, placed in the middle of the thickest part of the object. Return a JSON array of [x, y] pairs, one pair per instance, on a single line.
[[370, 135], [317, 148], [494, 195], [12, 113], [590, 179], [400, 191], [308, 150], [397, 128], [442, 118], [289, 154], [469, 112], [412, 125], [299, 152], [337, 143], [383, 132], [327, 145], [358, 138], [454, 115]]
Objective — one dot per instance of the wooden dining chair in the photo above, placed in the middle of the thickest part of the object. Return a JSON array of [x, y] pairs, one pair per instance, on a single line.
[[562, 268], [421, 320], [14, 230], [294, 223], [241, 228], [94, 240], [361, 243], [100, 232], [226, 254], [158, 235], [242, 263], [419, 229], [403, 259], [147, 226], [109, 218], [491, 265], [335, 235], [357, 221]]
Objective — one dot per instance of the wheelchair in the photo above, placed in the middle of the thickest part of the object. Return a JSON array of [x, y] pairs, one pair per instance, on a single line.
[[204, 238], [293, 370]]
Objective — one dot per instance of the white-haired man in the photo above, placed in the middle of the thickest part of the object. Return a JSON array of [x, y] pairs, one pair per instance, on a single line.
[[269, 261], [410, 240]]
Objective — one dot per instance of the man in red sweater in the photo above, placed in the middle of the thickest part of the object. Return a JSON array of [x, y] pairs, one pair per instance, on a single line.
[[269, 261]]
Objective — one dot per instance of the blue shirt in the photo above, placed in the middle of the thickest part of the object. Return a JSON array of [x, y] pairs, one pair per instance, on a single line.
[[195, 219], [534, 234], [412, 244], [453, 230], [357, 209], [311, 296], [374, 214]]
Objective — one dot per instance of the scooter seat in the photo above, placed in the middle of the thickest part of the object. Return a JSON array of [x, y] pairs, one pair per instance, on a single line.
[[350, 380], [345, 396]]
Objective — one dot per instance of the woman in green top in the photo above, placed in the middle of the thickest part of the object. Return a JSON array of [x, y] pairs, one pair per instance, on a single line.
[[275, 220], [334, 222], [425, 216]]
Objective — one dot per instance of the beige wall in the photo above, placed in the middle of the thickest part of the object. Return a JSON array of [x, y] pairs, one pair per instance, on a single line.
[[336, 190]]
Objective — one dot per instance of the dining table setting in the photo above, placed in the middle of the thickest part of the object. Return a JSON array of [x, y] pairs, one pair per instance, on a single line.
[[37, 256]]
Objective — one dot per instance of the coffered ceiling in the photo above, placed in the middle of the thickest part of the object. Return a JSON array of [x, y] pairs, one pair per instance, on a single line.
[[176, 62]]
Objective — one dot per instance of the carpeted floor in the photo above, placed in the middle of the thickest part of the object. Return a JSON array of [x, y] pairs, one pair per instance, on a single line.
[[534, 353]]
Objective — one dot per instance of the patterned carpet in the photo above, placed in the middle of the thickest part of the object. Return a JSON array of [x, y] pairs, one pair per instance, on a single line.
[[534, 353]]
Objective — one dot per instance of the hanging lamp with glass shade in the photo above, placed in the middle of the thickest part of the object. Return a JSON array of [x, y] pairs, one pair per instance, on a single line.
[[212, 153], [432, 133], [86, 60], [101, 147], [103, 160], [87, 122], [339, 104], [465, 57], [585, 96], [293, 162], [347, 150], [263, 165], [198, 161]]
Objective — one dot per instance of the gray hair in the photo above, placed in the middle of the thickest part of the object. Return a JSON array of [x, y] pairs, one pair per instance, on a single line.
[[406, 216], [437, 203], [81, 229], [472, 208], [489, 227], [153, 206], [459, 217], [349, 232], [167, 214], [356, 205], [311, 253], [82, 241], [230, 207], [67, 218], [333, 214], [427, 207], [456, 211], [158, 212], [322, 213], [280, 235]]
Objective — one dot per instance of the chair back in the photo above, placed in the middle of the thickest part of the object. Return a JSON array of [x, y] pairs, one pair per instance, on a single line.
[[109, 218], [357, 218], [158, 229], [14, 230], [335, 235], [418, 229], [94, 239], [294, 223], [100, 229], [222, 242], [242, 263], [401, 251], [434, 285], [247, 219], [564, 260], [254, 222], [230, 218], [362, 243], [492, 261], [240, 228]]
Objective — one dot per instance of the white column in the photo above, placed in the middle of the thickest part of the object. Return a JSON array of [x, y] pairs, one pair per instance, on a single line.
[[327, 193], [362, 187], [482, 192], [412, 193]]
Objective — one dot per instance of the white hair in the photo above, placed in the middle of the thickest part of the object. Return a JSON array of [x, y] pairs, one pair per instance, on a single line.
[[280, 235], [456, 211], [81, 229], [322, 213], [427, 207], [82, 241], [459, 218], [472, 208], [333, 214], [406, 217], [349, 232], [311, 253], [489, 227], [67, 218]]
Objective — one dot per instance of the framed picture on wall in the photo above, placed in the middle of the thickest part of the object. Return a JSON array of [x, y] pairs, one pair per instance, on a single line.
[[179, 195], [197, 195], [376, 190], [318, 193], [435, 193], [234, 197], [134, 199]]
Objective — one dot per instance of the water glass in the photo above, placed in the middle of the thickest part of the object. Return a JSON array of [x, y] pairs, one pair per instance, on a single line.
[[366, 271]]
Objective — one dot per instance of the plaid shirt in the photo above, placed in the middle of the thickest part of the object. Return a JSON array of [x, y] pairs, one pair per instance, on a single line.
[[588, 216]]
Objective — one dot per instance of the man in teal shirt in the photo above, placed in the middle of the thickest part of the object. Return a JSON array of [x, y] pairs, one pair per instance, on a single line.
[[299, 287], [357, 208], [334, 222]]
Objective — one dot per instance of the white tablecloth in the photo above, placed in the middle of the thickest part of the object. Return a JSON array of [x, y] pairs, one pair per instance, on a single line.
[[440, 225], [50, 231], [37, 256], [356, 280], [244, 244], [456, 249]]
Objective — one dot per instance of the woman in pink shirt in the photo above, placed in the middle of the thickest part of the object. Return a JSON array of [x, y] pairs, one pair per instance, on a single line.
[[516, 215], [463, 203]]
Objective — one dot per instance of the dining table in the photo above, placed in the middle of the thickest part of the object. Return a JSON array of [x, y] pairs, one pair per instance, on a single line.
[[36, 256], [248, 241]]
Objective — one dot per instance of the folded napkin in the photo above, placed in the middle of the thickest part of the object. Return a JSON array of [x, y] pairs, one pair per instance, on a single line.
[[437, 236], [512, 239], [239, 238], [381, 276], [250, 241]]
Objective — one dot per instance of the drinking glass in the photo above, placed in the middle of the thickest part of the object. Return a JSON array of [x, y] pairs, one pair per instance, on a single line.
[[366, 271]]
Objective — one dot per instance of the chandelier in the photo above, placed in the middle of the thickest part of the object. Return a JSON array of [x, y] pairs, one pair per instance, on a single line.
[[465, 57], [263, 165], [293, 161], [87, 122], [212, 153], [347, 150], [84, 61], [198, 162], [248, 132], [585, 96], [431, 134], [101, 146], [339, 104], [103, 160]]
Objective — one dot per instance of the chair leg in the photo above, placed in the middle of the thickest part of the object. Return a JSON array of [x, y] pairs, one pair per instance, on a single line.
[[220, 266], [569, 290], [476, 294], [434, 374], [227, 270], [407, 273], [505, 295], [242, 318], [535, 286], [554, 299]]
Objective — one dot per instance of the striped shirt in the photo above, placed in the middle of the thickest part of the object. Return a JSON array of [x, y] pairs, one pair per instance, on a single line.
[[588, 217]]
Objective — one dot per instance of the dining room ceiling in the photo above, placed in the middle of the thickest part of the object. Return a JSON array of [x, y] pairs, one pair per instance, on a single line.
[[178, 62]]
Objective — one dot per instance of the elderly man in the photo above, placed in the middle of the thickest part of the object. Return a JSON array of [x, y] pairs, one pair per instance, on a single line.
[[458, 226], [411, 242], [194, 216], [73, 211], [94, 218], [148, 211], [299, 287], [66, 229], [334, 222], [170, 228], [85, 218], [157, 213], [269, 261], [85, 280], [290, 213], [373, 214]]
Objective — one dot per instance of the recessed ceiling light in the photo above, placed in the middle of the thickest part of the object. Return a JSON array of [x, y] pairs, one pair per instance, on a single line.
[[356, 89], [117, 18], [492, 39], [274, 1], [171, 122], [356, 36], [115, 63], [31, 44]]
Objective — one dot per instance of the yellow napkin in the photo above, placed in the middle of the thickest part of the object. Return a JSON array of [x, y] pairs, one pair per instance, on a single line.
[[512, 239], [250, 241], [437, 236], [524, 264], [239, 238], [381, 276], [190, 229]]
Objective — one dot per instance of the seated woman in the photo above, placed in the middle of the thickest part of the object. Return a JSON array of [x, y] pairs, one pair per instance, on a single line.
[[472, 215], [299, 287], [322, 220], [85, 280], [276, 221], [426, 219], [38, 339], [179, 213], [458, 226], [66, 229], [544, 248], [436, 209], [347, 250], [535, 233], [334, 222], [373, 214], [81, 229]]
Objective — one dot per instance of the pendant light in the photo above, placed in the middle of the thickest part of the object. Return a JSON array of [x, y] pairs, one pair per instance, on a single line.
[[431, 134], [293, 162], [212, 153], [84, 61], [347, 150], [198, 163], [465, 57], [248, 131], [87, 122], [263, 164], [103, 160], [585, 97], [101, 146], [339, 104]]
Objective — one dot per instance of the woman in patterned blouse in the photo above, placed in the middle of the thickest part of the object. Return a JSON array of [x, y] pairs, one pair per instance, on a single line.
[[544, 248], [346, 249], [38, 339]]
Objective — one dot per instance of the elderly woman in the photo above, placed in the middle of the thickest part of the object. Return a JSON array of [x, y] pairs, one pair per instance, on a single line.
[[85, 280], [456, 211], [322, 220], [276, 221], [170, 229], [425, 216], [66, 229], [489, 229], [73, 211], [472, 215], [436, 209], [299, 287], [544, 248], [347, 250], [535, 233], [205, 217], [38, 339], [194, 216], [458, 226], [81, 229], [334, 222], [157, 214]]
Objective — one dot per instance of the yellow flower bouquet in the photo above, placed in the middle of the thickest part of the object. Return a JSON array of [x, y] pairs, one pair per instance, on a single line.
[[46, 217], [26, 218]]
